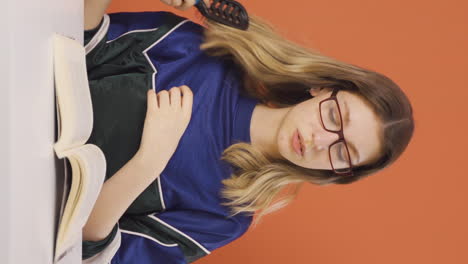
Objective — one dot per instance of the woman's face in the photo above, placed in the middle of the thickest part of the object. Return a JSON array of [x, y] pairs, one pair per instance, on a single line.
[[361, 127]]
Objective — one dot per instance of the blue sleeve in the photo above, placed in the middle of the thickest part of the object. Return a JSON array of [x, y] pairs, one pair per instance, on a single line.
[[171, 237], [114, 25]]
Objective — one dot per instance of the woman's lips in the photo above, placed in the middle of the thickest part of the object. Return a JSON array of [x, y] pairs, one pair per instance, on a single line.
[[296, 143], [301, 141]]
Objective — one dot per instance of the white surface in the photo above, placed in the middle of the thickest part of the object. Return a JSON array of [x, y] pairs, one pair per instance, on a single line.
[[28, 179], [73, 256]]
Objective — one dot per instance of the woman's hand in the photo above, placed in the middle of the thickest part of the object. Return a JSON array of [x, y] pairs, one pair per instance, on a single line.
[[183, 4], [167, 117]]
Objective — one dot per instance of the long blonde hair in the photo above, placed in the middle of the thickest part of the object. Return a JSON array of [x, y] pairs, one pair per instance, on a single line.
[[279, 72]]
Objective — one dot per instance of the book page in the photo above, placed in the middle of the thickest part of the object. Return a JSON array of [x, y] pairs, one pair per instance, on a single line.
[[75, 121], [89, 163], [72, 93]]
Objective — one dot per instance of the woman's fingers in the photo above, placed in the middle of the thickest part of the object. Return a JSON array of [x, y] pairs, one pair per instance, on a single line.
[[152, 100], [186, 4], [174, 94], [177, 3], [187, 99], [163, 98], [178, 97]]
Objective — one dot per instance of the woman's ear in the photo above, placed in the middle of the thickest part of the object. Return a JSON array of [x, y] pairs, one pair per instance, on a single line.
[[271, 105], [314, 91], [319, 90]]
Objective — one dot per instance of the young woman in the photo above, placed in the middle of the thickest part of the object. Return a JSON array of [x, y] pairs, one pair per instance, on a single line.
[[203, 126]]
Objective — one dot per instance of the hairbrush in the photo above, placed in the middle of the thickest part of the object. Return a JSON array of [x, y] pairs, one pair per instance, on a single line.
[[227, 12]]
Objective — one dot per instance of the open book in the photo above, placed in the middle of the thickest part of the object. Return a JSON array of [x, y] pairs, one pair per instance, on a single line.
[[75, 123]]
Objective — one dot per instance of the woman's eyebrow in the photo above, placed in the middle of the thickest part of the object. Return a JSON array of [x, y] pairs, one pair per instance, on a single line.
[[346, 123]]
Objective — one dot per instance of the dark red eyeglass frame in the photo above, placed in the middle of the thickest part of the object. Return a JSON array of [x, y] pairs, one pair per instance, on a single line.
[[340, 134]]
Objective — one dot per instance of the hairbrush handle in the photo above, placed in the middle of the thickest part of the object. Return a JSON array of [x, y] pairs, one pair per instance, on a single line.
[[227, 12]]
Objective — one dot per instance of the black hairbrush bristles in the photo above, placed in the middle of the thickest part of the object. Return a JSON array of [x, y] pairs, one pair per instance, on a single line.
[[227, 12]]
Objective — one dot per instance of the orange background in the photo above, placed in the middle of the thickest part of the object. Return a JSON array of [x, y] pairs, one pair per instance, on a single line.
[[413, 212]]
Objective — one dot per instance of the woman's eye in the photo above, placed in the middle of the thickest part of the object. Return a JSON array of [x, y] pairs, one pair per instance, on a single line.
[[337, 117], [342, 154], [333, 117], [339, 154]]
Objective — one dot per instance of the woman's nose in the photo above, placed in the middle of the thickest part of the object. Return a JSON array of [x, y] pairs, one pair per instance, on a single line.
[[323, 139]]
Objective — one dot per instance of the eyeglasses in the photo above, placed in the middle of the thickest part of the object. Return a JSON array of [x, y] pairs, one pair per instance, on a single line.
[[332, 121]]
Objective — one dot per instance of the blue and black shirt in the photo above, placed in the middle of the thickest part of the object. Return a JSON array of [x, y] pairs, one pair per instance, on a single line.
[[178, 218]]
